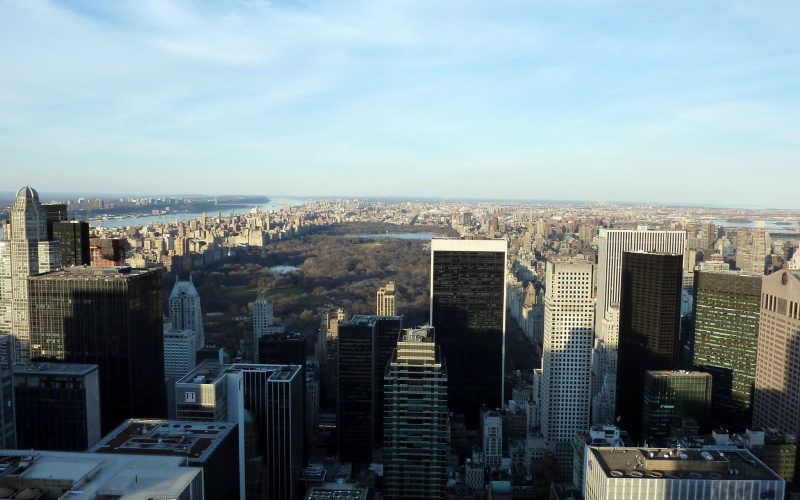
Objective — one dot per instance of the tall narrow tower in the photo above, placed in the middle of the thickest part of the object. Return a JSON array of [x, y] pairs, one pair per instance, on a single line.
[[416, 430], [29, 253], [468, 310], [566, 358], [185, 312]]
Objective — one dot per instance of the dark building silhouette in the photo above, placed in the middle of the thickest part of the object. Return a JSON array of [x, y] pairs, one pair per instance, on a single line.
[[8, 428], [365, 347], [649, 326], [726, 311], [672, 396], [57, 406], [111, 317], [282, 349], [73, 242], [468, 311], [53, 212]]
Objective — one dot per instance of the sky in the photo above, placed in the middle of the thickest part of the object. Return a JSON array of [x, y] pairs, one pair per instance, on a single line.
[[672, 102]]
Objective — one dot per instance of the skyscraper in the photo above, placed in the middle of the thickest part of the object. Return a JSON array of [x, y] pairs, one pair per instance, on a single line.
[[385, 303], [726, 311], [327, 354], [364, 348], [612, 244], [416, 430], [29, 253], [649, 325], [263, 322], [468, 310], [111, 317], [73, 242], [57, 406], [180, 357], [266, 402], [566, 357], [776, 401], [8, 428], [604, 369], [185, 312], [670, 397]]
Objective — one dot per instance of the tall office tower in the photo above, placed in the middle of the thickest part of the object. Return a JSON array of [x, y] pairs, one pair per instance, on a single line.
[[612, 244], [263, 322], [8, 429], [613, 473], [365, 346], [29, 253], [416, 428], [760, 249], [670, 397], [566, 357], [468, 310], [386, 304], [73, 242], [111, 317], [266, 402], [185, 312], [604, 370], [180, 357], [776, 401], [327, 352], [5, 285], [53, 213], [649, 325], [57, 406], [726, 311]]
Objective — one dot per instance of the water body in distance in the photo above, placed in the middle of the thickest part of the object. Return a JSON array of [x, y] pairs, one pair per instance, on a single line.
[[274, 204], [399, 236]]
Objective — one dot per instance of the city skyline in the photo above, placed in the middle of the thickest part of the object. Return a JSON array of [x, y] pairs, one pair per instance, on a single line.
[[614, 93]]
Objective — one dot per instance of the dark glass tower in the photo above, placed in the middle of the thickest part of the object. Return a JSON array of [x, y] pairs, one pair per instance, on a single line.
[[73, 242], [57, 406], [649, 324], [726, 310], [468, 311], [365, 347], [110, 317], [282, 349], [670, 397]]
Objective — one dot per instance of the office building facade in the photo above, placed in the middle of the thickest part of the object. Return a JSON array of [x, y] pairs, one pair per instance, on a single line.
[[73, 242], [726, 314], [649, 326], [468, 310], [386, 303], [672, 396], [566, 358], [416, 430], [57, 406], [8, 428], [111, 317]]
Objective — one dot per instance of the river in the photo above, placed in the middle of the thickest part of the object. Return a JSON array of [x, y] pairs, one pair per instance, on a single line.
[[273, 204]]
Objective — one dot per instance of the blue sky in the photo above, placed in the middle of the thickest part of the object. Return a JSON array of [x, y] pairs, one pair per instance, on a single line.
[[677, 102]]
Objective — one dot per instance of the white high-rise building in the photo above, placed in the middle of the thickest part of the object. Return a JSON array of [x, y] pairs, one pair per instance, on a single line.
[[25, 253], [263, 321], [492, 427], [566, 357], [179, 353], [612, 244], [185, 312], [386, 303]]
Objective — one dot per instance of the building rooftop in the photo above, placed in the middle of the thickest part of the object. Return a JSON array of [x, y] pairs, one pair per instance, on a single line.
[[336, 490], [42, 368], [658, 463], [211, 372], [90, 476], [193, 440]]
